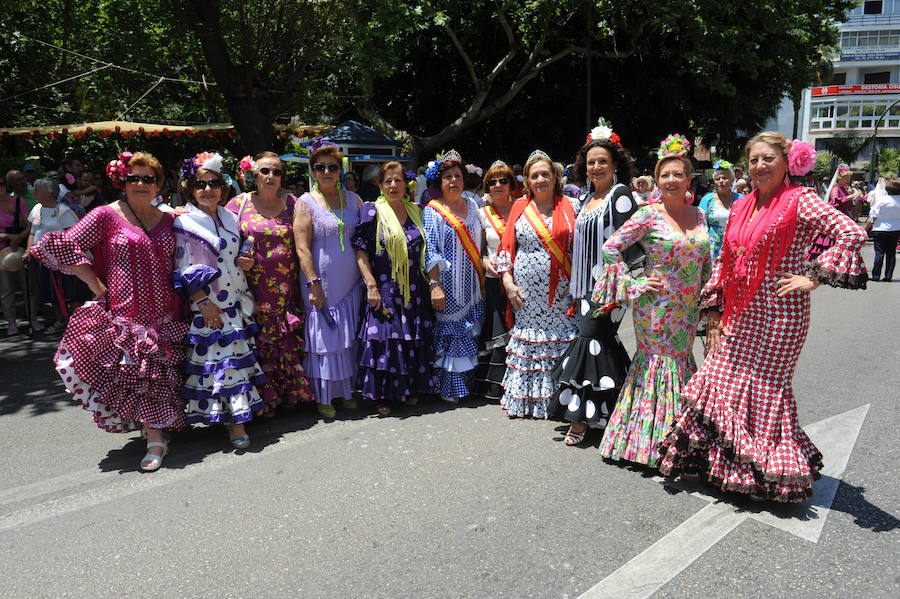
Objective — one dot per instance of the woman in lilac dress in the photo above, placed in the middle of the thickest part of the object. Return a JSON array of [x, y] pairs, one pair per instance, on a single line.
[[324, 223], [267, 215], [396, 331]]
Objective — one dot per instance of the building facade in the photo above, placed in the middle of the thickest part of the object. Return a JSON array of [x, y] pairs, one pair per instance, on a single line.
[[861, 96]]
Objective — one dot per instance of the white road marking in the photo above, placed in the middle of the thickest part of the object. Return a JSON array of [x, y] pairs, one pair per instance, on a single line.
[[650, 570]]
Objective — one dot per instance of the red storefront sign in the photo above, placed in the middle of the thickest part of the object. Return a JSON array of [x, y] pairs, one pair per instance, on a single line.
[[872, 88]]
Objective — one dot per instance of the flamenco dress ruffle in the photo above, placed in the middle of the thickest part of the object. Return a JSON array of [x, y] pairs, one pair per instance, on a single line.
[[592, 370], [456, 352], [396, 357], [281, 353], [492, 343], [222, 370], [126, 373], [331, 362]]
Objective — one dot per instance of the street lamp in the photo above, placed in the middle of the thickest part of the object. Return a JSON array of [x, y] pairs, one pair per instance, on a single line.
[[873, 164]]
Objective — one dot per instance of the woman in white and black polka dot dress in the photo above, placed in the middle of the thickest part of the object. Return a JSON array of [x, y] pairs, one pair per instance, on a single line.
[[594, 366]]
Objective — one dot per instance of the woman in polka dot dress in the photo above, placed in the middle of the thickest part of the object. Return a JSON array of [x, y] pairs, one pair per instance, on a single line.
[[594, 366], [222, 371], [533, 264], [120, 354], [395, 362], [666, 312], [738, 427], [267, 215]]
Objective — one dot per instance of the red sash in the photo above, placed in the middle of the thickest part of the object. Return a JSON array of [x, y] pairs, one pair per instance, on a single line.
[[465, 237], [495, 220]]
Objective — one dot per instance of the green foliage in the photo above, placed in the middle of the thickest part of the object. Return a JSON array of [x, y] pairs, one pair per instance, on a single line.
[[847, 145], [889, 162], [825, 165]]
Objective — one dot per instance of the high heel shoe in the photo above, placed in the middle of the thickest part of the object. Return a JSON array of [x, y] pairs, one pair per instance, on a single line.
[[151, 462]]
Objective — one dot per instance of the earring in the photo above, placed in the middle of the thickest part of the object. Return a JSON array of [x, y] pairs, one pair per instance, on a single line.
[[615, 179]]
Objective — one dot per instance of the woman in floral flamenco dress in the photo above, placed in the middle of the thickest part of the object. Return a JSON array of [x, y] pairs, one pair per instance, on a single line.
[[738, 426], [666, 308]]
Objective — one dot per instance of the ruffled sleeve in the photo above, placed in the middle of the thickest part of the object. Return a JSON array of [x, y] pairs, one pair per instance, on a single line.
[[64, 250], [364, 236], [615, 283], [434, 245], [842, 264], [712, 296], [194, 260]]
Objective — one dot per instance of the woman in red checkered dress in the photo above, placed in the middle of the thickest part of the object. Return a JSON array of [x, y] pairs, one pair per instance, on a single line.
[[120, 354], [738, 424]]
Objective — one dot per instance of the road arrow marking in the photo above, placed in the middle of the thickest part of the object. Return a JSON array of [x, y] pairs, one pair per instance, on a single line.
[[650, 570]]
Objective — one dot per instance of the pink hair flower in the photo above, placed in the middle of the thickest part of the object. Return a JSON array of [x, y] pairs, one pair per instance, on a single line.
[[801, 158]]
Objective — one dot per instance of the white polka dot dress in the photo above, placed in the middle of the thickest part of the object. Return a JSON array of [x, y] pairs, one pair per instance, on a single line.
[[222, 369]]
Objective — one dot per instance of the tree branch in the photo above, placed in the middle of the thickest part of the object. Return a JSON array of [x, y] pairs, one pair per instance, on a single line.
[[465, 56]]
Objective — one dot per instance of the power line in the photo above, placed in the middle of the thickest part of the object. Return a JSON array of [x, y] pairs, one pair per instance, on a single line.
[[152, 87], [86, 73], [111, 65]]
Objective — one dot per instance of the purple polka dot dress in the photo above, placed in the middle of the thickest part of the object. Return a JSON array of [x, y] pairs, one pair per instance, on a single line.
[[395, 361]]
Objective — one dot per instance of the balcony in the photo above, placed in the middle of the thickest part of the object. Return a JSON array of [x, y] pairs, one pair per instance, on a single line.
[[856, 20]]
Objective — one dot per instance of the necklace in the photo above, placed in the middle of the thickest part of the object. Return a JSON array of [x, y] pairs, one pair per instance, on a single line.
[[340, 221], [281, 201], [136, 217]]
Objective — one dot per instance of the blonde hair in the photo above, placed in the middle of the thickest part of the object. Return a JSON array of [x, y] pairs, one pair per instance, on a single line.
[[555, 167], [684, 160], [771, 138]]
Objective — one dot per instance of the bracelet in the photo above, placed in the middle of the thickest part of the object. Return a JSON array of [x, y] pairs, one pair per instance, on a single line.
[[202, 301], [433, 283], [313, 282]]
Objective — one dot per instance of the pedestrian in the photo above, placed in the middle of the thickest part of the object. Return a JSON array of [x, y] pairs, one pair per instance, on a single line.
[[120, 354], [53, 287], [396, 330], [738, 425], [716, 205], [594, 366], [453, 262], [665, 301], [324, 223], [499, 182], [221, 366], [535, 262], [14, 230], [844, 198], [884, 223], [266, 217]]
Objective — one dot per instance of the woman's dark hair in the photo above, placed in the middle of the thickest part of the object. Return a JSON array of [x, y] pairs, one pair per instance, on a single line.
[[892, 186], [624, 168]]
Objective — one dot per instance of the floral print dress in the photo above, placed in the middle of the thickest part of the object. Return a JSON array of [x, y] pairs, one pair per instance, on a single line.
[[273, 281], [665, 324]]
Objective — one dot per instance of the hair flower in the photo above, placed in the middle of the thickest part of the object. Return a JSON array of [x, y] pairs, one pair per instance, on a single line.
[[722, 165], [801, 157], [474, 170], [603, 130], [70, 178], [674, 145], [434, 170], [247, 164], [117, 169]]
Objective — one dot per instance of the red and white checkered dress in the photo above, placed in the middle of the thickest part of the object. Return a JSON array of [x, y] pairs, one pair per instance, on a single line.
[[738, 423], [120, 355]]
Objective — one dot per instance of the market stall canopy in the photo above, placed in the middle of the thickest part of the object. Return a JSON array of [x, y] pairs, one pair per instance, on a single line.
[[128, 128], [356, 139]]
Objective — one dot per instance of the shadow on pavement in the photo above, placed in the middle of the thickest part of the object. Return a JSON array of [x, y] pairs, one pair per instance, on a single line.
[[28, 381]]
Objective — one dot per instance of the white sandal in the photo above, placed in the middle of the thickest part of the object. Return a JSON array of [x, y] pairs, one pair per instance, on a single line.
[[151, 462]]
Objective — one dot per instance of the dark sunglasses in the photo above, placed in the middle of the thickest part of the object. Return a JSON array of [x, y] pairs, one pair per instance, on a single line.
[[330, 167], [500, 181], [148, 179], [275, 171], [212, 184]]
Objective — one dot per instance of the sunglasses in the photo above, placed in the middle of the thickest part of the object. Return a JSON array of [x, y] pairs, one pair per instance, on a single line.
[[275, 171], [500, 181], [330, 167], [147, 179], [212, 184]]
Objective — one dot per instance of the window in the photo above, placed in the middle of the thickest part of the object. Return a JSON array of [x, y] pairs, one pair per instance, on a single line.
[[838, 79], [872, 8], [880, 77]]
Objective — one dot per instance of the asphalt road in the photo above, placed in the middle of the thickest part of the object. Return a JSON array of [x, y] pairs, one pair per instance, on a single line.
[[432, 502]]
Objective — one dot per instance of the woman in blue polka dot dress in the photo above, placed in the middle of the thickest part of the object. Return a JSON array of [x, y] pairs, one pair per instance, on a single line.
[[222, 368]]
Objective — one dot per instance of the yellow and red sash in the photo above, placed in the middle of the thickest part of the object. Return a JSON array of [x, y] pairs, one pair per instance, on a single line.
[[495, 220], [465, 237], [560, 255]]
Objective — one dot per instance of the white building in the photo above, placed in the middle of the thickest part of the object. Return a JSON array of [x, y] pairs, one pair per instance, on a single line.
[[865, 83]]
